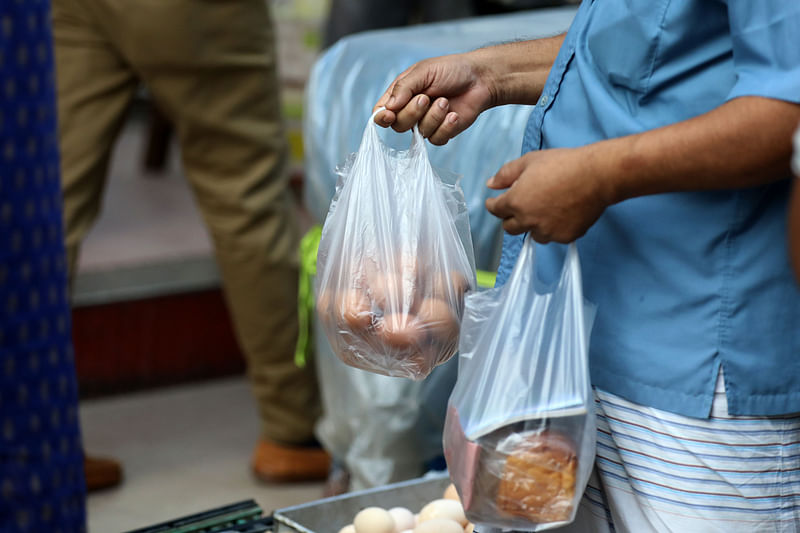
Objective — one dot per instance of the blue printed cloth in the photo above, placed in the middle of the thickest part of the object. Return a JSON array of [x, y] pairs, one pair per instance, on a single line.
[[41, 462]]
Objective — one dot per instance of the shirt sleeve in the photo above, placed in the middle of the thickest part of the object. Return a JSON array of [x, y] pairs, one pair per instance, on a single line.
[[766, 49]]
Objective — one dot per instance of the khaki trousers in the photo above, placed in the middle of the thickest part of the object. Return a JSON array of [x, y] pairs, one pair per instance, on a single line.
[[211, 67]]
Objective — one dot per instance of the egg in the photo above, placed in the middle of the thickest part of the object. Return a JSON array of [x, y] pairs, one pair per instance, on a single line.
[[373, 520], [349, 528], [442, 508], [450, 493], [470, 528], [386, 292], [448, 286], [436, 317], [399, 331], [355, 309], [403, 519], [439, 525]]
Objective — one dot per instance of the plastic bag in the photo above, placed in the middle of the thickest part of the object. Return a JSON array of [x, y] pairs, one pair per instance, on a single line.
[[520, 430], [395, 260]]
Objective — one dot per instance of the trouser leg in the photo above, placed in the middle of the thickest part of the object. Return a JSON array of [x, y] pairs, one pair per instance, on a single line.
[[212, 68], [94, 89]]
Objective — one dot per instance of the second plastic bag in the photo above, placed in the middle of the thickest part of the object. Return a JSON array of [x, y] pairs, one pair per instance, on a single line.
[[520, 429], [395, 260]]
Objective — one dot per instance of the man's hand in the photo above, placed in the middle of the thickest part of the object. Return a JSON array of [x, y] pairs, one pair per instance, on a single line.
[[553, 194], [444, 95]]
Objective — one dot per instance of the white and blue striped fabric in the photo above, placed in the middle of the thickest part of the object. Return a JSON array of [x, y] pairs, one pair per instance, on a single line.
[[665, 473]]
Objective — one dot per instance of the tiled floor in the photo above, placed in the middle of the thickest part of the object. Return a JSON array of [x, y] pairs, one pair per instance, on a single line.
[[184, 450]]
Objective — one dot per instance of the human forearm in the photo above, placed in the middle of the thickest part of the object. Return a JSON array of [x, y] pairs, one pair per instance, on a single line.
[[557, 194], [743, 143], [517, 71]]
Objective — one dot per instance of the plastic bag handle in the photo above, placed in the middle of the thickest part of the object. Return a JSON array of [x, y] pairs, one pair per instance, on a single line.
[[417, 141]]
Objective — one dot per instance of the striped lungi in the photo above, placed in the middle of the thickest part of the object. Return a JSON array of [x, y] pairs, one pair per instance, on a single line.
[[660, 472]]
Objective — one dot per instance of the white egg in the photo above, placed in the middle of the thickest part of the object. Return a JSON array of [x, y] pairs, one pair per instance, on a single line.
[[373, 520], [442, 508], [439, 525], [403, 519], [349, 528]]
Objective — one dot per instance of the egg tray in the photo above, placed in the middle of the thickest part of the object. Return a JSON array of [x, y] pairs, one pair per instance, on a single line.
[[331, 514]]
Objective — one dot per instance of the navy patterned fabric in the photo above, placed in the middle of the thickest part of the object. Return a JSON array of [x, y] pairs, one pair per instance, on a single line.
[[41, 462]]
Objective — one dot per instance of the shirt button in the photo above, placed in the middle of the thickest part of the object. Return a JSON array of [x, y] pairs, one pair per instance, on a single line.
[[543, 100]]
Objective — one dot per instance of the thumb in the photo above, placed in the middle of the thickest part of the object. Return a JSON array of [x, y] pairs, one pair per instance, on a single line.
[[507, 175], [409, 84]]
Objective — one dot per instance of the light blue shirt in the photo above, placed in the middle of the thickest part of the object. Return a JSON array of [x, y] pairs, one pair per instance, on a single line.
[[684, 282]]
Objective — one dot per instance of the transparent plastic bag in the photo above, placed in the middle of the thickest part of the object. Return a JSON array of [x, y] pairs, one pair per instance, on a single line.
[[395, 260], [520, 430]]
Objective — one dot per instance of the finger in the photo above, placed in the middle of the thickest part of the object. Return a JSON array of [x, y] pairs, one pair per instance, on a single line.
[[499, 206], [507, 175], [513, 226], [412, 113], [451, 126], [408, 84], [434, 117], [383, 99], [537, 236], [385, 118]]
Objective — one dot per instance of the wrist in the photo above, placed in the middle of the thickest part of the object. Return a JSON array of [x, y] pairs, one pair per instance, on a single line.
[[483, 62], [610, 171], [515, 73]]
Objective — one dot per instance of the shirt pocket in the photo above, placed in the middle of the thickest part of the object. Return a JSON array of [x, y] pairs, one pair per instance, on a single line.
[[622, 37]]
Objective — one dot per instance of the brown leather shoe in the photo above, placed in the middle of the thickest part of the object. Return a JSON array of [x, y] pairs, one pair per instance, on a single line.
[[101, 472], [277, 463]]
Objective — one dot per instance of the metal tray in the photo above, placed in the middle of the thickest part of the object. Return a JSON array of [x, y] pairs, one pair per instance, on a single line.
[[331, 514]]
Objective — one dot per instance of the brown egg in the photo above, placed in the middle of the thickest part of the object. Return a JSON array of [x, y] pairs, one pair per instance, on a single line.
[[450, 493], [459, 282], [386, 292], [355, 309], [450, 288], [400, 331], [438, 320]]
